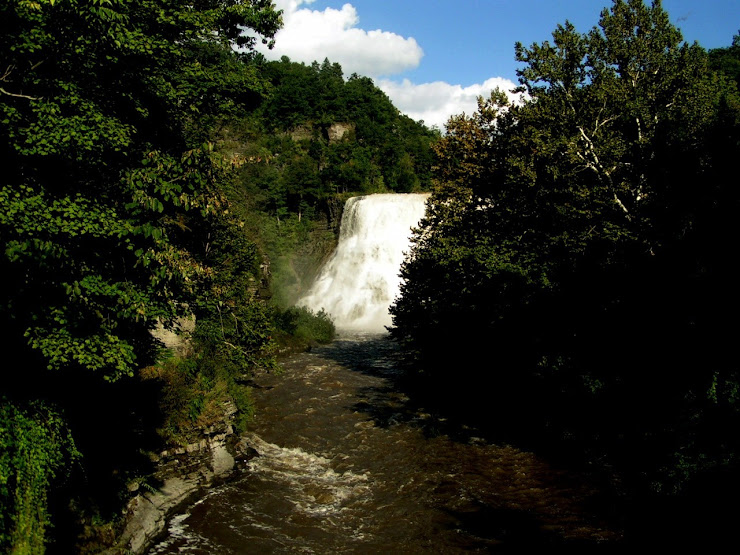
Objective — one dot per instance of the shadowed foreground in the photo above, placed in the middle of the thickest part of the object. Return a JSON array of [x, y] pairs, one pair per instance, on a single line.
[[346, 463]]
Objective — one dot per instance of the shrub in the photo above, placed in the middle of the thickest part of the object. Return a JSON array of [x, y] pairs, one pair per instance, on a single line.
[[35, 448], [305, 325]]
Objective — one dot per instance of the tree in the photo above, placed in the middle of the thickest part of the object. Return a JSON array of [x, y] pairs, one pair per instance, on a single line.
[[727, 60], [381, 150], [111, 189], [574, 237], [104, 162]]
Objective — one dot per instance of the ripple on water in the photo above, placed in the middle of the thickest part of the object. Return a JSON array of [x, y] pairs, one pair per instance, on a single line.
[[347, 464]]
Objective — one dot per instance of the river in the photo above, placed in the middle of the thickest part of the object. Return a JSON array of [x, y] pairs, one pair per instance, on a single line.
[[347, 463]]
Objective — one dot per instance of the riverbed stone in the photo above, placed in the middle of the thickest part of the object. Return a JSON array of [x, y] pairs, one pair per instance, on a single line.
[[222, 461], [147, 514]]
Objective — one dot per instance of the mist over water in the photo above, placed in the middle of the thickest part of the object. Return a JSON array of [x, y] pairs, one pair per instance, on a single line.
[[361, 280]]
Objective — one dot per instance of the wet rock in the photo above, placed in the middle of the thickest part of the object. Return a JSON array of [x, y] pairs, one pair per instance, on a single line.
[[222, 461], [184, 472]]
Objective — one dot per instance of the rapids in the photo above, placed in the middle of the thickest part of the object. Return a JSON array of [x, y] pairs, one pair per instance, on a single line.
[[347, 463]]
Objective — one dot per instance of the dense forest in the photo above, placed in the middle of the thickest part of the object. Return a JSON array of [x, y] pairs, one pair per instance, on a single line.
[[573, 275], [154, 168]]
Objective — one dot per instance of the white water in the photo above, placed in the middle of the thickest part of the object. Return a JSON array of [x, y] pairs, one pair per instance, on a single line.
[[361, 280]]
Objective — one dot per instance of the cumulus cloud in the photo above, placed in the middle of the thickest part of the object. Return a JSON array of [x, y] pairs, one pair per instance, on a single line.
[[436, 102], [309, 35]]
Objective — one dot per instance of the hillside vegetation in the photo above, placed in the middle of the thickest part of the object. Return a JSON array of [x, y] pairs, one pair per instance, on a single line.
[[316, 140]]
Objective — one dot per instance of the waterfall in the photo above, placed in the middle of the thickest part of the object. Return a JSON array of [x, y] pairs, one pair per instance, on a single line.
[[361, 280]]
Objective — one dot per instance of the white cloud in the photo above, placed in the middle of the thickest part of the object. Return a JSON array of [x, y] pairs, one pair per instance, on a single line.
[[312, 35], [436, 102], [309, 35]]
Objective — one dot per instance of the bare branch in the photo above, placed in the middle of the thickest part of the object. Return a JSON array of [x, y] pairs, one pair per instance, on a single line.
[[2, 90], [595, 164], [4, 78]]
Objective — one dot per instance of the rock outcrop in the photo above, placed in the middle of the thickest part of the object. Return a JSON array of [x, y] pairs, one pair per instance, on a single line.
[[178, 340], [184, 472], [332, 133], [337, 131]]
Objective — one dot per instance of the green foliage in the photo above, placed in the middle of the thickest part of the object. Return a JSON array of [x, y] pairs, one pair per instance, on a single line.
[[297, 165], [578, 241], [727, 60], [119, 209], [232, 336], [112, 198], [295, 248], [315, 140], [194, 395], [103, 140], [36, 450], [296, 170], [305, 325]]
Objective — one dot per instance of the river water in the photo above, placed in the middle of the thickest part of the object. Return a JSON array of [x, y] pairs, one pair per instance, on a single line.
[[346, 463]]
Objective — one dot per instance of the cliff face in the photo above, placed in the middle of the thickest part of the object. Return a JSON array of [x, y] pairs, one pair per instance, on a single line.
[[333, 133], [337, 131], [183, 472], [177, 341]]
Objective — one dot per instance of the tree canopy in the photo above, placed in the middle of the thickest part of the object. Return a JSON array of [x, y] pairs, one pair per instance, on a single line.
[[115, 218], [578, 242], [380, 148], [104, 108]]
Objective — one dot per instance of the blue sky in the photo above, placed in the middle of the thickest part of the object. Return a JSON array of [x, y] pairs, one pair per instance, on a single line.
[[434, 57]]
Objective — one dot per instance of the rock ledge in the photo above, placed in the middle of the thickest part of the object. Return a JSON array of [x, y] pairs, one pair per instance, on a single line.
[[184, 472]]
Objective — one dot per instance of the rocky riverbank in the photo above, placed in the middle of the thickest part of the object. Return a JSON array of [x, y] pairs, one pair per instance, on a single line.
[[349, 463], [183, 472]]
